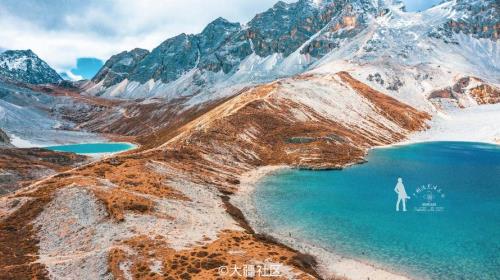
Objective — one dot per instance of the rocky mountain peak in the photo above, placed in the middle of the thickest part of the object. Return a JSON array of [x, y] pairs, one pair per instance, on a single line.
[[223, 45], [290, 37], [479, 19], [118, 67], [220, 22], [25, 66]]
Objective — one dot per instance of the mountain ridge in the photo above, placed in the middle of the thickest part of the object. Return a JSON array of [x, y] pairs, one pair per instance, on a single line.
[[281, 29], [288, 39], [168, 209], [25, 66], [172, 199]]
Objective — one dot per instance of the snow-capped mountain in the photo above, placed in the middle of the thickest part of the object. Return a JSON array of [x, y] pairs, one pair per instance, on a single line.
[[25, 66], [274, 43], [478, 18], [293, 38], [310, 85]]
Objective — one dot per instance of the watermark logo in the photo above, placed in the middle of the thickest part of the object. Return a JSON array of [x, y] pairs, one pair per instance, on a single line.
[[426, 198], [429, 198], [267, 269], [402, 196]]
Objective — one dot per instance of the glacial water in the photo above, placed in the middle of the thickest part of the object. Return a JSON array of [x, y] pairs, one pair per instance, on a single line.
[[450, 231], [93, 148]]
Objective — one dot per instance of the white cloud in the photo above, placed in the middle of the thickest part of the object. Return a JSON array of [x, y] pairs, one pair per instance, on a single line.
[[72, 76], [62, 31]]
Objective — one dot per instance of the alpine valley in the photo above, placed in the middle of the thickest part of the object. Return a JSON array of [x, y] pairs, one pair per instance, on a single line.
[[312, 84]]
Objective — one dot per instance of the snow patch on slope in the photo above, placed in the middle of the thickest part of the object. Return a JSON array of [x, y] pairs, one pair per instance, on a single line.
[[474, 124], [334, 100]]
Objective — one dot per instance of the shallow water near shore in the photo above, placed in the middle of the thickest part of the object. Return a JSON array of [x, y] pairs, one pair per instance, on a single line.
[[93, 148], [450, 231]]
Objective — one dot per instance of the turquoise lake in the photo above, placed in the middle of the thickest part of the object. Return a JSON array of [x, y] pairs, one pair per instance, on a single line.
[[93, 148], [450, 231]]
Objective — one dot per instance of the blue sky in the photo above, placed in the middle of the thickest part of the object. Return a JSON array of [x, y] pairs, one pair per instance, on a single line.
[[87, 67], [73, 35], [420, 5]]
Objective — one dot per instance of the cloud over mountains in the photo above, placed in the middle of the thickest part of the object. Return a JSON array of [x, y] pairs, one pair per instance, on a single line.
[[60, 32], [63, 31]]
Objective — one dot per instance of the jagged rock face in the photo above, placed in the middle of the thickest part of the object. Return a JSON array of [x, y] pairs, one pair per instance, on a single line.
[[4, 138], [223, 45], [291, 38], [347, 19], [478, 18], [485, 94], [466, 92], [482, 18], [25, 66], [285, 27], [117, 68], [216, 53], [168, 61], [175, 56]]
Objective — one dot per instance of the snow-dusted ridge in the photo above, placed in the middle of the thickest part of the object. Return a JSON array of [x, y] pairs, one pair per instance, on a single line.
[[25, 66], [367, 38]]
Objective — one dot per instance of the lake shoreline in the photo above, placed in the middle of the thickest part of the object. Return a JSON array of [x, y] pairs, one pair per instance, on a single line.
[[330, 264], [93, 150]]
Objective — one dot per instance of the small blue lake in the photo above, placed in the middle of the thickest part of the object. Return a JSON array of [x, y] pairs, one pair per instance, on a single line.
[[450, 231], [93, 148]]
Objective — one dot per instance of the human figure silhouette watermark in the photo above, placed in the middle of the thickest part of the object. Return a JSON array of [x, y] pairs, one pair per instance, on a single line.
[[402, 196]]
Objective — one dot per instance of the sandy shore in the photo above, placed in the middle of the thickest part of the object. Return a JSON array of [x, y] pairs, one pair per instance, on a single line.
[[330, 263]]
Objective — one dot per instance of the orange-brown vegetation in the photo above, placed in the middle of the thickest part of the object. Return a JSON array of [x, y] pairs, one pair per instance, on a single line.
[[210, 147], [18, 167]]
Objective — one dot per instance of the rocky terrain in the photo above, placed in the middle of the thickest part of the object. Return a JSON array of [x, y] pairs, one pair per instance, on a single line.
[[478, 18], [4, 139], [27, 119], [311, 84], [434, 46], [166, 212], [19, 167], [29, 114], [466, 92], [224, 45], [25, 66]]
